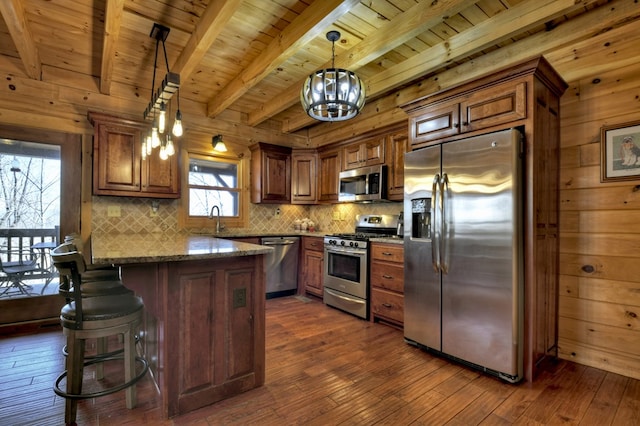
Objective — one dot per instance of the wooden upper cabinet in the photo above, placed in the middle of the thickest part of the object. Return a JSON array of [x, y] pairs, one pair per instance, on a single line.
[[361, 154], [481, 109], [438, 122], [270, 174], [503, 103], [303, 176], [118, 167], [329, 162], [397, 146]]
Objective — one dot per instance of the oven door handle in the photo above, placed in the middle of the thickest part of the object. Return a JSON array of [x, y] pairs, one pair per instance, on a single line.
[[340, 296], [346, 251]]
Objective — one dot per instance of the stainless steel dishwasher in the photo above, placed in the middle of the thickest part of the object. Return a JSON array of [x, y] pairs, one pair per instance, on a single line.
[[281, 265]]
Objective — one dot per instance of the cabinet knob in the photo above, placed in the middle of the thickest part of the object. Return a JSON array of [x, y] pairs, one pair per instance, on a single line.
[[387, 305], [387, 277]]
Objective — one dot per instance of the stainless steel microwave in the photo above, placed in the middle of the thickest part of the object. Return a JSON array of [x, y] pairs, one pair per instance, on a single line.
[[363, 184]]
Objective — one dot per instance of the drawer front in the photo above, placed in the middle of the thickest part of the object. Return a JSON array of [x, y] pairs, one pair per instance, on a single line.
[[387, 305], [387, 252], [387, 276], [313, 243]]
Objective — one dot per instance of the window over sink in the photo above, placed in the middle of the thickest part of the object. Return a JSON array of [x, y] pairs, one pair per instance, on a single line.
[[213, 181]]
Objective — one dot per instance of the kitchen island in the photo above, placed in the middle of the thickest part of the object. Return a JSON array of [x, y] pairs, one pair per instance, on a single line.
[[204, 297]]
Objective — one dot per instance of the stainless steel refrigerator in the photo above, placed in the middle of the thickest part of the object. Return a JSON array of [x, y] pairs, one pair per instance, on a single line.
[[463, 248]]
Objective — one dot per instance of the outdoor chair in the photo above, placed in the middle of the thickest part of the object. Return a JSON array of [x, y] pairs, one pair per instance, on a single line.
[[15, 271]]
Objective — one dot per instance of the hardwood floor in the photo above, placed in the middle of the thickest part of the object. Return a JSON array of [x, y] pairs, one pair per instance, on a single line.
[[325, 367]]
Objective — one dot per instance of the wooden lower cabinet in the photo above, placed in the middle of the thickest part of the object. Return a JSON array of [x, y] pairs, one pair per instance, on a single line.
[[386, 277], [203, 329], [312, 266]]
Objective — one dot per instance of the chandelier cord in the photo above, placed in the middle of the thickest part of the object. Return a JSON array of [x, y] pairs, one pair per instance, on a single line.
[[333, 53], [155, 64], [166, 61]]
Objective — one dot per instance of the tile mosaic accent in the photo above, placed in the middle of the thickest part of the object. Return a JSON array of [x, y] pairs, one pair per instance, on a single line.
[[135, 218]]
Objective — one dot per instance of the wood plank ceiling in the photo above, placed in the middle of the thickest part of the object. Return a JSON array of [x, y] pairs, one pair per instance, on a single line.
[[245, 60]]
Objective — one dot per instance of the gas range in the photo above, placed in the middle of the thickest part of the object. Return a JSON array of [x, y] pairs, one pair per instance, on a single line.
[[346, 263]]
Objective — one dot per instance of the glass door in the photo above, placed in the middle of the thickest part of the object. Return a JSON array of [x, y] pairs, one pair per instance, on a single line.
[[41, 175], [29, 218]]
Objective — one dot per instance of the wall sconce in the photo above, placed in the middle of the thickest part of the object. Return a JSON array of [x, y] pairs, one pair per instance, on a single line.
[[218, 144]]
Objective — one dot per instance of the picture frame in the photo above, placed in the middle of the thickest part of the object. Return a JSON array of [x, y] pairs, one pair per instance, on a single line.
[[620, 152]]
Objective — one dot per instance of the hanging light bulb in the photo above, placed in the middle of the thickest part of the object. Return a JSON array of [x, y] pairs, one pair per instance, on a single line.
[[162, 118], [155, 138], [163, 152], [149, 147], [177, 124], [143, 151], [170, 149]]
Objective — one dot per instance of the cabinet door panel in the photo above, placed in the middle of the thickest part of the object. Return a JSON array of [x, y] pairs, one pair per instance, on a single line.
[[374, 151], [118, 158], [303, 178], [160, 176], [438, 122], [352, 156], [502, 104], [397, 146], [328, 171]]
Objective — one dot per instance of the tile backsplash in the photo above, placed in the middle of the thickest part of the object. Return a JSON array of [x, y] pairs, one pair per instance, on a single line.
[[134, 216]]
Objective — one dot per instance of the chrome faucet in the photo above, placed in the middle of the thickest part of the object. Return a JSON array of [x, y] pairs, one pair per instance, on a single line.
[[218, 227]]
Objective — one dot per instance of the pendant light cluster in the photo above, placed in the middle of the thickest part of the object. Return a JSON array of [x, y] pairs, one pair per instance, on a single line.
[[160, 105], [333, 94]]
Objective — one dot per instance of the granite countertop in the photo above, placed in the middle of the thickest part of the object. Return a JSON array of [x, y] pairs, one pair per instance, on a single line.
[[149, 248], [389, 240]]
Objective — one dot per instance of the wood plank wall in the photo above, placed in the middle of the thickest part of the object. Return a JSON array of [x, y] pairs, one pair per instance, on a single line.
[[599, 228]]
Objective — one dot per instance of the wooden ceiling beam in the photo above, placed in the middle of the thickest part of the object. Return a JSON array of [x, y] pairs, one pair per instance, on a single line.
[[399, 30], [502, 26], [210, 25], [483, 35], [16, 22], [112, 21], [584, 27], [302, 30]]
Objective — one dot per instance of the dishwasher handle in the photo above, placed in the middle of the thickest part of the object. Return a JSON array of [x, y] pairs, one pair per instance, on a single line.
[[278, 243]]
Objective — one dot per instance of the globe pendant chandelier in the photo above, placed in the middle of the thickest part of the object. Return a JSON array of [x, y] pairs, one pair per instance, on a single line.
[[332, 94]]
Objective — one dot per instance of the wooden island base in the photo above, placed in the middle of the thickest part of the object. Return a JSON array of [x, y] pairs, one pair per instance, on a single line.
[[203, 333]]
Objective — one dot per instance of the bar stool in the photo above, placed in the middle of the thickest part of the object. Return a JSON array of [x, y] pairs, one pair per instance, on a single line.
[[94, 317], [97, 280]]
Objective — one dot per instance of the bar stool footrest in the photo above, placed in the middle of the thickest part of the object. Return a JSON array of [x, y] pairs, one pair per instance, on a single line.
[[114, 389]]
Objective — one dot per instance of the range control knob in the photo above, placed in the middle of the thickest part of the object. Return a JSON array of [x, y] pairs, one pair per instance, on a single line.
[[342, 243]]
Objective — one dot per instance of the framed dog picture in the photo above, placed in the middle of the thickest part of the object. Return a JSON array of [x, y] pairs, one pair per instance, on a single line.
[[620, 152]]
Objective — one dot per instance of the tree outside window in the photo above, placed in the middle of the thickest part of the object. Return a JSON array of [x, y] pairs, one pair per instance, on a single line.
[[29, 191]]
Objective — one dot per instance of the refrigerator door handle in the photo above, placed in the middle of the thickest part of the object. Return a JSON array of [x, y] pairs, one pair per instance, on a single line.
[[444, 197], [435, 241]]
